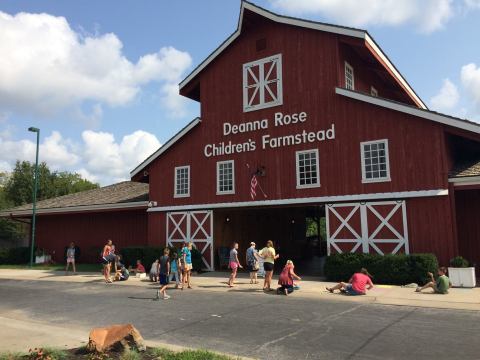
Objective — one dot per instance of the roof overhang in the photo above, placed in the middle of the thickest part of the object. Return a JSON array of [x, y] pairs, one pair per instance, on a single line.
[[464, 181], [80, 208], [411, 110], [340, 30], [166, 146]]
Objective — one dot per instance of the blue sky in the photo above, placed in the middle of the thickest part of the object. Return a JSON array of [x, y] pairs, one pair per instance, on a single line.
[[100, 77]]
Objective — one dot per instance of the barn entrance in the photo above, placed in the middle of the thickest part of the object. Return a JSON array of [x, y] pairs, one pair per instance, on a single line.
[[297, 232]]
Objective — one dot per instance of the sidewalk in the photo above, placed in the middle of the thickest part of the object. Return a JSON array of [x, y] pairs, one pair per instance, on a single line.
[[458, 298]]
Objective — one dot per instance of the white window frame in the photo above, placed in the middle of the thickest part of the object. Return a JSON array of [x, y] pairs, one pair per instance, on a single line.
[[373, 91], [297, 168], [228, 192], [349, 67], [175, 188], [262, 84], [387, 162]]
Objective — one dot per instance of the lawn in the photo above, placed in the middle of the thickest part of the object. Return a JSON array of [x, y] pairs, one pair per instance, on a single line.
[[56, 267]]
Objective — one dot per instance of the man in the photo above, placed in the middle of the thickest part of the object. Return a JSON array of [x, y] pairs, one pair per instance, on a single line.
[[72, 253], [440, 286]]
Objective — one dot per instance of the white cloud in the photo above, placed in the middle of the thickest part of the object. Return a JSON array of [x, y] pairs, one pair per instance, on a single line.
[[470, 77], [99, 157], [426, 15], [447, 98], [472, 4], [46, 67]]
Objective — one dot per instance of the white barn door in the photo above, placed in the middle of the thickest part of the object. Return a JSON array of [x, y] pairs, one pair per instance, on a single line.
[[375, 227], [194, 226]]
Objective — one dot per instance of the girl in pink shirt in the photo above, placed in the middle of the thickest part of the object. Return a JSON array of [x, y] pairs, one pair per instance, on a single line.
[[358, 284]]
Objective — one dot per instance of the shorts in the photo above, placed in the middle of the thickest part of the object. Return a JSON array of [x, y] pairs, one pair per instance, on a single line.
[[268, 266], [251, 267], [233, 265], [70, 260], [350, 291], [163, 279], [108, 259], [188, 267], [282, 288]]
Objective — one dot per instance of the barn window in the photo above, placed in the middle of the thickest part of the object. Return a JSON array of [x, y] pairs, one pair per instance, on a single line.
[[375, 163], [307, 169], [349, 77], [373, 91], [225, 177], [262, 83], [182, 181]]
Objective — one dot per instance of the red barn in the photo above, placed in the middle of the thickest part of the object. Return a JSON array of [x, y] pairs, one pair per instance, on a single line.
[[319, 119]]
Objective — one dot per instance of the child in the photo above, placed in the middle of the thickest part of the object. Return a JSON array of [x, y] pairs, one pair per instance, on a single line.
[[175, 270], [234, 264], [440, 286], [164, 271], [154, 271], [358, 284], [286, 279], [140, 269]]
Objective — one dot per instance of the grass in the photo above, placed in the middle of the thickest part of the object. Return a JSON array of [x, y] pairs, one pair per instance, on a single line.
[[8, 355], [55, 267], [46, 352], [165, 354], [130, 355]]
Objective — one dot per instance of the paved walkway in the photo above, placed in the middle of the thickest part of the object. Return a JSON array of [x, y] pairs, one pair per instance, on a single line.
[[458, 298]]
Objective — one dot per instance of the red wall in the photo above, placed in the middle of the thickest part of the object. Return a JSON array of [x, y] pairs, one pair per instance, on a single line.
[[468, 224], [309, 62], [90, 231]]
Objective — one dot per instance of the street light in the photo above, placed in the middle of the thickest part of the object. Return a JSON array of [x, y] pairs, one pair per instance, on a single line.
[[35, 130]]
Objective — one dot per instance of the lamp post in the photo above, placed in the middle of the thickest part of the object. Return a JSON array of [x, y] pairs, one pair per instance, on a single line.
[[35, 130]]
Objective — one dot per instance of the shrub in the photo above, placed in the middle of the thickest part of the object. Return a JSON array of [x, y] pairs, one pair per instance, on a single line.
[[14, 256], [389, 269], [459, 262]]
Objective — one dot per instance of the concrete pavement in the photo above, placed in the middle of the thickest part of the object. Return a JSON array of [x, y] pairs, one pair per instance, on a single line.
[[243, 321], [312, 288]]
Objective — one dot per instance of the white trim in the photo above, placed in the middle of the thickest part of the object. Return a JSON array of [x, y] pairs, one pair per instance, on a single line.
[[175, 194], [261, 84], [356, 33], [297, 168], [79, 208], [369, 40], [307, 200], [166, 146], [426, 114], [465, 181], [373, 91], [349, 67], [387, 157], [229, 192]]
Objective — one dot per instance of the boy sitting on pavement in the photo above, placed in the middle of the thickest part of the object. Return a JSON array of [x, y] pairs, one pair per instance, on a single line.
[[440, 286], [140, 269]]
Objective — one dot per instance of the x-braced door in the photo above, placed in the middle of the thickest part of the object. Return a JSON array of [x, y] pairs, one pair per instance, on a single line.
[[378, 227], [195, 227]]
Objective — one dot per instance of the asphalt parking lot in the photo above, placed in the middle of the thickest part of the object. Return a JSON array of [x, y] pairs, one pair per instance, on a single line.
[[267, 326]]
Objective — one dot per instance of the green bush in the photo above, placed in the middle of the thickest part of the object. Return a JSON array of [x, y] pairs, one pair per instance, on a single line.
[[398, 269], [14, 256], [459, 262]]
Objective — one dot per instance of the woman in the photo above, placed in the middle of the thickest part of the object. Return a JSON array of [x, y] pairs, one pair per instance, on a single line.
[[233, 264], [252, 259], [269, 256], [187, 264], [286, 278], [358, 284]]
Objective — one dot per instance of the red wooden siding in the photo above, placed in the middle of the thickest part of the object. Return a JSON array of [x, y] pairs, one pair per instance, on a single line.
[[90, 231], [309, 59], [156, 229], [468, 224]]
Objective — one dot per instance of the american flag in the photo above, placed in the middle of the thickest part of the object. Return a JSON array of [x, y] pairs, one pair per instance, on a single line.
[[253, 187]]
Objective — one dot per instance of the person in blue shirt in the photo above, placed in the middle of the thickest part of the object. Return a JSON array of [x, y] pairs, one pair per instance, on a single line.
[[175, 269], [187, 264]]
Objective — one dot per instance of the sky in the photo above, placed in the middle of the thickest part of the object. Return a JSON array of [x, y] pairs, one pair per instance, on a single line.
[[100, 78]]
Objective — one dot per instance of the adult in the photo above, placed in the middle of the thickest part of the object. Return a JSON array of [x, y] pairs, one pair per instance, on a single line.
[[108, 257], [72, 253], [252, 260], [187, 264], [440, 286], [286, 278], [233, 264], [358, 284], [269, 255]]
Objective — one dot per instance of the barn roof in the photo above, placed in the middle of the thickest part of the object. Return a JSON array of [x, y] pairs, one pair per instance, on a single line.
[[466, 169], [123, 195], [370, 44]]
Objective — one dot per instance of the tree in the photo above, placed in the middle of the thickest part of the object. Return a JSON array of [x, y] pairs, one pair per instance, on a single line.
[[19, 186]]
